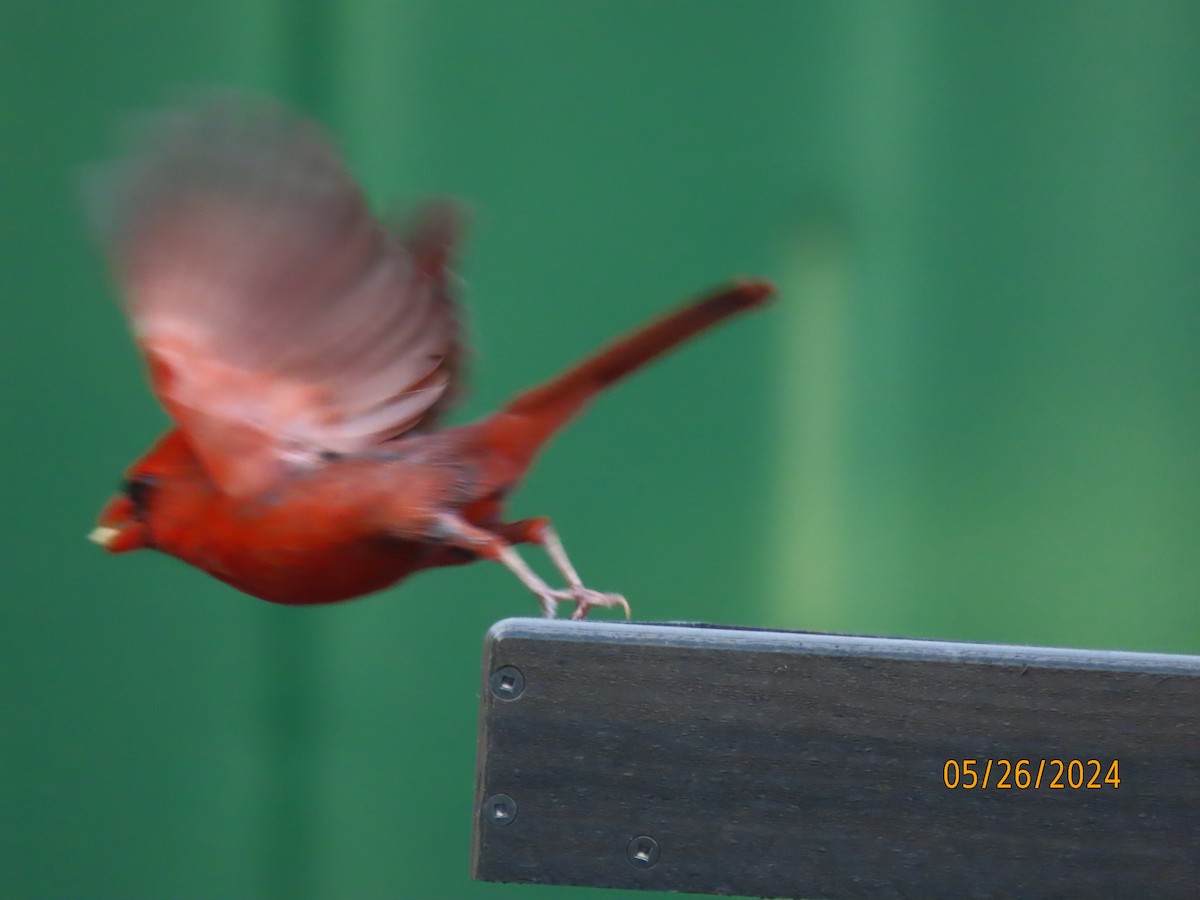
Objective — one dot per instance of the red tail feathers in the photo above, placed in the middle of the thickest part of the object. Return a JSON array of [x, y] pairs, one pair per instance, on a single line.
[[531, 419]]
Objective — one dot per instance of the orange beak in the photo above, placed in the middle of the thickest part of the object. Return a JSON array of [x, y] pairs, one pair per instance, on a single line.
[[118, 529]]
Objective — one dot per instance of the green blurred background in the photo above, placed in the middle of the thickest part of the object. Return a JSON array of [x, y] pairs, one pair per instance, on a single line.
[[973, 415]]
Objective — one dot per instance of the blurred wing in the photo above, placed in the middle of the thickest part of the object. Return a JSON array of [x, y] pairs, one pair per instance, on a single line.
[[430, 237], [281, 321]]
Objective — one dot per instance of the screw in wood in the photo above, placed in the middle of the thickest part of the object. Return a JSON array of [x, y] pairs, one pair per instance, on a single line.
[[500, 809], [643, 851], [507, 683]]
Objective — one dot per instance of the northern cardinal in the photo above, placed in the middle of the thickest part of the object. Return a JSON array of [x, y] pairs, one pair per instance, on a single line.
[[306, 353]]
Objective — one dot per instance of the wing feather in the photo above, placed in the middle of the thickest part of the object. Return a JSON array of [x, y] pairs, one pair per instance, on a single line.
[[282, 321]]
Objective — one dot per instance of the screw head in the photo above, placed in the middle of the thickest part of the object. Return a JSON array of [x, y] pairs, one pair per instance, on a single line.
[[507, 683], [643, 851], [500, 809]]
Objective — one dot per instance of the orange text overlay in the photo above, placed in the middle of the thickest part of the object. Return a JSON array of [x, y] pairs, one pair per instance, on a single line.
[[1031, 774]]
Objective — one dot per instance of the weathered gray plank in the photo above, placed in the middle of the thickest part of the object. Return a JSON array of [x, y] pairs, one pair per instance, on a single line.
[[809, 765]]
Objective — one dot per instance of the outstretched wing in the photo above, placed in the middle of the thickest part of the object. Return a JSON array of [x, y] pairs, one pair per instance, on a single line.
[[280, 319]]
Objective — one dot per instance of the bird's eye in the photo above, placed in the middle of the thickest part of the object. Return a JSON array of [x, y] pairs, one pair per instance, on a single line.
[[138, 489]]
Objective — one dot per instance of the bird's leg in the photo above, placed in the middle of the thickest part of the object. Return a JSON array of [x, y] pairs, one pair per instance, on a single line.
[[540, 531], [457, 531]]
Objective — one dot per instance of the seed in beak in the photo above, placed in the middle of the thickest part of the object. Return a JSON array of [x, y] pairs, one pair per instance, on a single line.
[[104, 535]]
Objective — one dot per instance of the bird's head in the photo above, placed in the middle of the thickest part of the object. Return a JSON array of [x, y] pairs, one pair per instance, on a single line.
[[123, 523], [131, 519]]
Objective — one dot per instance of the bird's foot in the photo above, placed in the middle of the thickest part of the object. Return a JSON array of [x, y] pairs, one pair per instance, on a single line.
[[585, 600]]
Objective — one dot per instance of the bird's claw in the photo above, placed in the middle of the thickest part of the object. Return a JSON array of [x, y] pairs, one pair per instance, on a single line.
[[585, 600]]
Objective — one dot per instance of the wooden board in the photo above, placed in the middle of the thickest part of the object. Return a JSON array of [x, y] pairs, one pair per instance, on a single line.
[[779, 764]]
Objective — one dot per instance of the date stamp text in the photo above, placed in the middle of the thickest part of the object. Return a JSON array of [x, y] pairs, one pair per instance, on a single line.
[[1031, 774]]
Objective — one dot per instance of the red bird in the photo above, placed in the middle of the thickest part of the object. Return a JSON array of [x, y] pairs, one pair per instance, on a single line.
[[306, 353]]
